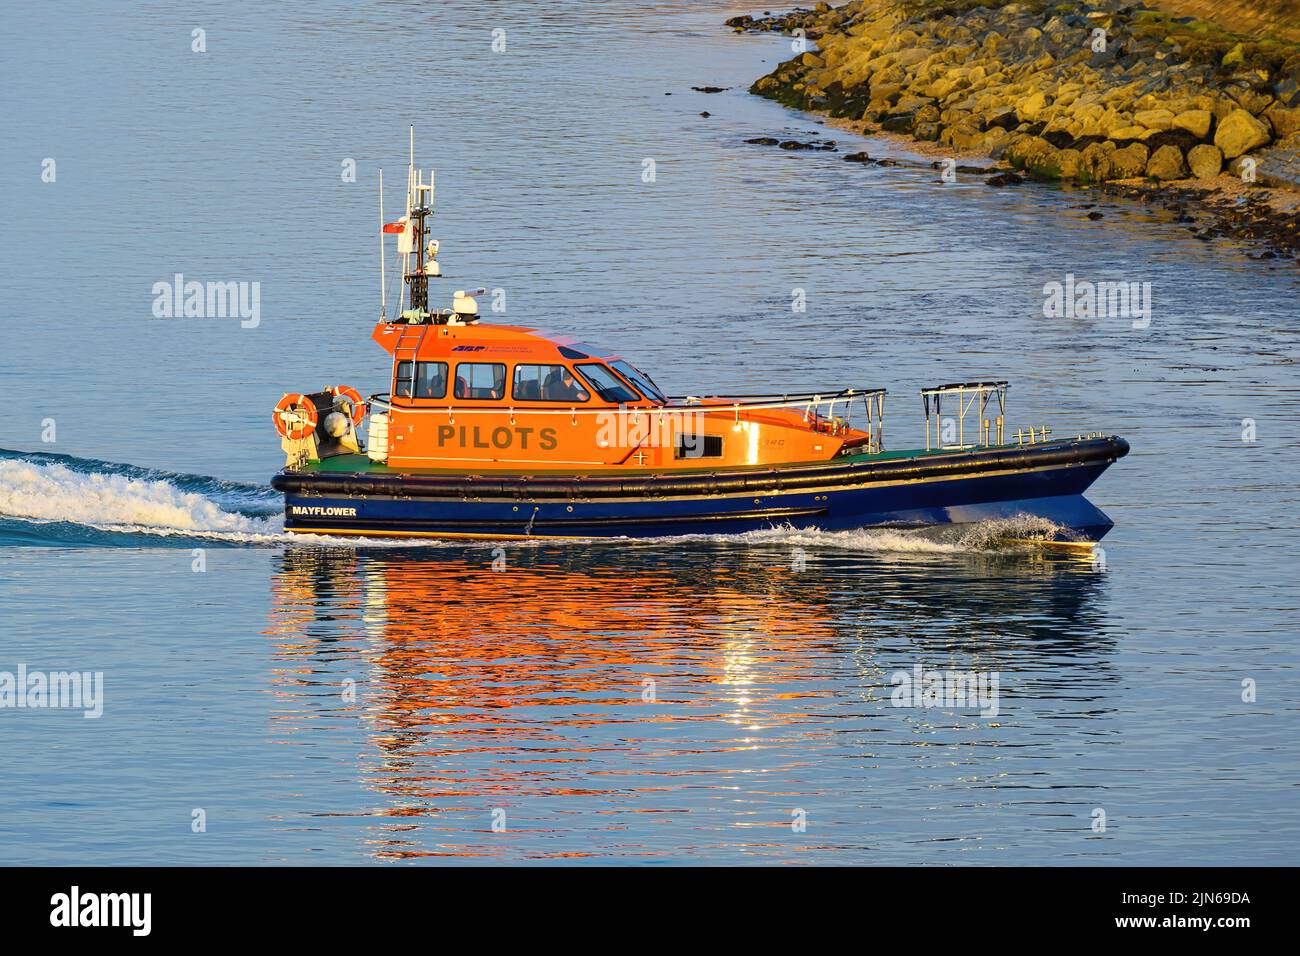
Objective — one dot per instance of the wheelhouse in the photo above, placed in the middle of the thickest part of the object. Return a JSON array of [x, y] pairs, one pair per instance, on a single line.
[[452, 366]]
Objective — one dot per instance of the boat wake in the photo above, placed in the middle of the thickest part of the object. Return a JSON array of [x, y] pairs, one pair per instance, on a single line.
[[58, 499], [1001, 535]]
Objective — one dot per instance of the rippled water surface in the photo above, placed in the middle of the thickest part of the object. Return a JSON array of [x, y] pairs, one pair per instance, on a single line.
[[680, 700]]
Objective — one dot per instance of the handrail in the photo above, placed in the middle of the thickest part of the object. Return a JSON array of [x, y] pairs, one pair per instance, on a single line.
[[797, 398], [716, 403], [989, 385]]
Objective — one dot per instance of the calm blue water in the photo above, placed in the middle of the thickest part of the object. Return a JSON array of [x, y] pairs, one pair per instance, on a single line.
[[344, 704]]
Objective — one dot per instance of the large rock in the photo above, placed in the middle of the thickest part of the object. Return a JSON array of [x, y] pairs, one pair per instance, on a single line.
[[1196, 122], [1279, 165], [1239, 133], [1221, 107], [942, 87], [1205, 161], [963, 138], [1067, 163], [1167, 163], [1125, 133], [1251, 100], [1283, 120], [1154, 119], [1017, 148], [911, 57], [901, 122], [1035, 155], [1095, 164], [995, 141], [1110, 121], [1001, 116], [886, 92], [1129, 162], [1029, 108], [911, 103]]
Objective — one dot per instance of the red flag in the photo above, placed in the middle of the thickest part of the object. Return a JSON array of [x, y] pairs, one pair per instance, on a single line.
[[398, 226]]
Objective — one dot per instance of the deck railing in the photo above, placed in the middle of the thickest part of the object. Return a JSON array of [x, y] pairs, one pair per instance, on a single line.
[[969, 395]]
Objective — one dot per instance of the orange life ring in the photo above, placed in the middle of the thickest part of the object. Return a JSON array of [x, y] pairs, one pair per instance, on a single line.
[[297, 424], [353, 396]]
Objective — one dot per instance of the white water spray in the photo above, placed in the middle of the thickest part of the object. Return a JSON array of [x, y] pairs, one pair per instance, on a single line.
[[52, 492]]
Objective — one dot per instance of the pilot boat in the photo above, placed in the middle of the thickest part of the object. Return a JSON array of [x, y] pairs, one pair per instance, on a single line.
[[498, 431]]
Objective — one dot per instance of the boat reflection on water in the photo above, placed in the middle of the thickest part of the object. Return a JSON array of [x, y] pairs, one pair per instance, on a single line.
[[574, 689]]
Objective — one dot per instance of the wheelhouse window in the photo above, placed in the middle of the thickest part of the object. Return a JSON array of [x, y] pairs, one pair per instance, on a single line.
[[548, 383], [480, 381], [606, 384], [421, 380], [640, 380]]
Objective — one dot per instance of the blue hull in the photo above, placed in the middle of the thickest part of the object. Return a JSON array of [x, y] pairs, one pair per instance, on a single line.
[[1044, 482]]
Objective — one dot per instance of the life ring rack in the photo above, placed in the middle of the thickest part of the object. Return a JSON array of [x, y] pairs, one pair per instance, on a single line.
[[348, 394], [295, 416]]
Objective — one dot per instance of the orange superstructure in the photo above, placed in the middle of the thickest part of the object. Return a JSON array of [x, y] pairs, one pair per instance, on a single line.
[[504, 398]]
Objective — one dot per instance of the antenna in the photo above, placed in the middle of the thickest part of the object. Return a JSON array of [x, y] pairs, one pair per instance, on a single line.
[[410, 196], [414, 270], [383, 285], [410, 174]]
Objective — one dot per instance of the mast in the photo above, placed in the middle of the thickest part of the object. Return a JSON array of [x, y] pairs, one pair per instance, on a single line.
[[418, 256], [417, 279]]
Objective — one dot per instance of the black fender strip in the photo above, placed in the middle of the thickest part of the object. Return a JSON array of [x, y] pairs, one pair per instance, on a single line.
[[979, 461]]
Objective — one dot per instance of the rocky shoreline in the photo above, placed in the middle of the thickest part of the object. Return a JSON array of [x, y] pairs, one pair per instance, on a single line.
[[1106, 94]]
